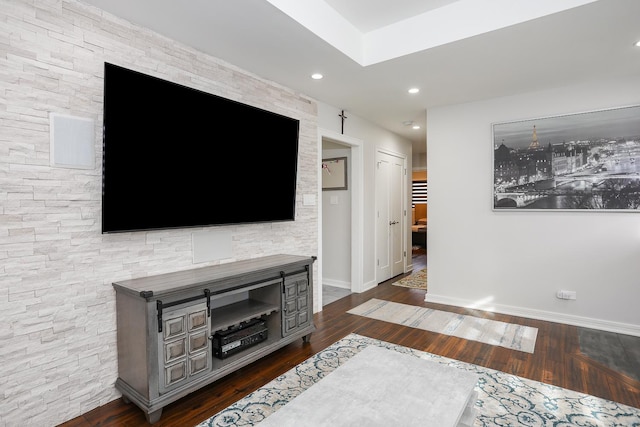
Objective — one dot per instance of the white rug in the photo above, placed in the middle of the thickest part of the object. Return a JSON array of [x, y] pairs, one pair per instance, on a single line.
[[503, 399], [382, 387], [509, 335]]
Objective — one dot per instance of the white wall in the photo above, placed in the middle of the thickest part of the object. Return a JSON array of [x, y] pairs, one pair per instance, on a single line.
[[514, 262], [374, 138], [58, 329], [419, 161]]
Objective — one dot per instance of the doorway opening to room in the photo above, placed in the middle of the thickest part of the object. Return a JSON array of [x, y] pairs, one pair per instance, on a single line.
[[341, 228], [419, 219], [419, 210]]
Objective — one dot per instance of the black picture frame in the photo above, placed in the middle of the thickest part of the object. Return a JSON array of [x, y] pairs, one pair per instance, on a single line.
[[334, 174]]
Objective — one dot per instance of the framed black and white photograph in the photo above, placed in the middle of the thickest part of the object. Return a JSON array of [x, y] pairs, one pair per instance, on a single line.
[[334, 173], [585, 161]]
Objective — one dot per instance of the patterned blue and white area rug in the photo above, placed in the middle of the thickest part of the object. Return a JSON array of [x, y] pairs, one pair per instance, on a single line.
[[503, 399], [494, 332]]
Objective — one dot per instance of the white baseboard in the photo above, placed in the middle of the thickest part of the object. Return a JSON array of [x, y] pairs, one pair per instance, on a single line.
[[369, 285], [336, 283], [585, 322]]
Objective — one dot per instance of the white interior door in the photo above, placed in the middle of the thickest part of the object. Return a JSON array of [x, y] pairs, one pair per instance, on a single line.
[[390, 177]]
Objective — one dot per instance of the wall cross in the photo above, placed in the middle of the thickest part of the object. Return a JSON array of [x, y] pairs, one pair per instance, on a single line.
[[342, 116]]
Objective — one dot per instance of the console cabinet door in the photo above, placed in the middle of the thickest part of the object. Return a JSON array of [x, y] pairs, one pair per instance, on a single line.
[[296, 303], [184, 351]]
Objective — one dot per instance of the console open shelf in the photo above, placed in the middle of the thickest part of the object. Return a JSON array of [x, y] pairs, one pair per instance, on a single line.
[[242, 311]]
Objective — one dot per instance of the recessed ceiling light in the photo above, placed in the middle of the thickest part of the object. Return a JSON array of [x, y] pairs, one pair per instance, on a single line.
[[414, 90], [638, 43], [416, 126], [316, 76]]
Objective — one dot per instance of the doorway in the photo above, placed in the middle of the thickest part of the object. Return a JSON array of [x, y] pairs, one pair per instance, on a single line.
[[346, 228]]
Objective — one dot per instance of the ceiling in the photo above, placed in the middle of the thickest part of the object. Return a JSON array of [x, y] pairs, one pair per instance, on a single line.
[[372, 51]]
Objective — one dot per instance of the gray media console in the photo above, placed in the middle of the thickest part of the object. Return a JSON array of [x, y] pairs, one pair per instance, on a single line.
[[178, 332]]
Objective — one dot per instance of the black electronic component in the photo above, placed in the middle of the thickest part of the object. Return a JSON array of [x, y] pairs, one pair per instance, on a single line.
[[238, 338]]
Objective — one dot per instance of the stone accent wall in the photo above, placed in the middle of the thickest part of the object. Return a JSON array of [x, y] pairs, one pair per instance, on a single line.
[[58, 332]]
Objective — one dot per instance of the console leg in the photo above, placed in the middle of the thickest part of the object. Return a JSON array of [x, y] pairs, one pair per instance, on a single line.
[[306, 338], [154, 416]]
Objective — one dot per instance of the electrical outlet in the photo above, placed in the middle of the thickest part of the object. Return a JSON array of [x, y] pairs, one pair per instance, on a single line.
[[566, 294]]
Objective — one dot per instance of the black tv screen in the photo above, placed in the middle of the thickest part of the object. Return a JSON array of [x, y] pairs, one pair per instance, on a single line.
[[176, 157]]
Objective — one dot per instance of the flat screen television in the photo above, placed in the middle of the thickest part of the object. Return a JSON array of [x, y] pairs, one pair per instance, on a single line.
[[177, 157]]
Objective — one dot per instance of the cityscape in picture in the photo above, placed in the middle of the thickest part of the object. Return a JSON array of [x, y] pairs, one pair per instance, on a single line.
[[584, 161]]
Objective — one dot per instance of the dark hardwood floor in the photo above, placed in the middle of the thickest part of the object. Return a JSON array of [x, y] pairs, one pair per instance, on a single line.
[[557, 360]]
